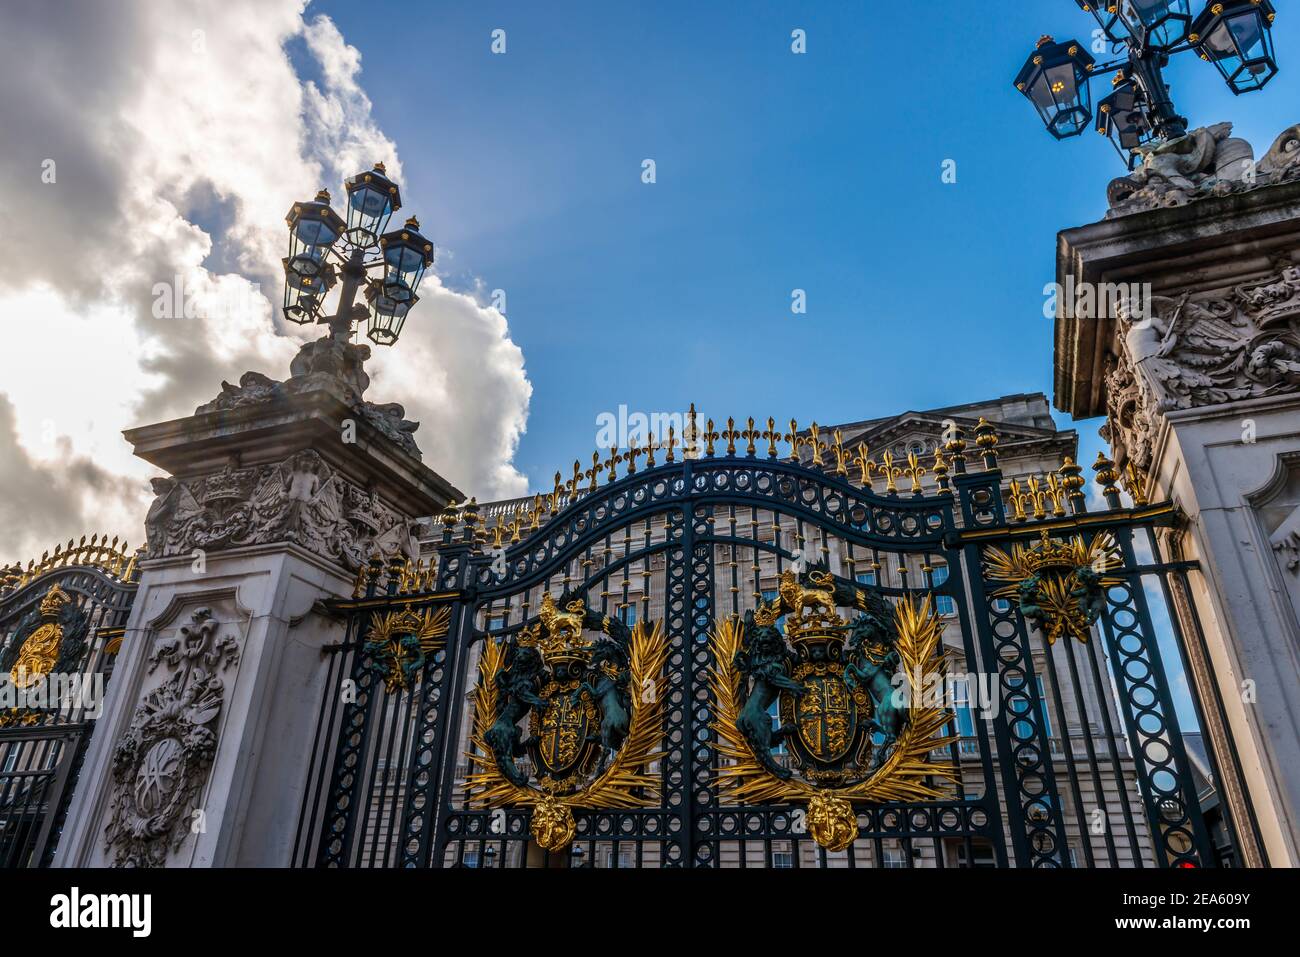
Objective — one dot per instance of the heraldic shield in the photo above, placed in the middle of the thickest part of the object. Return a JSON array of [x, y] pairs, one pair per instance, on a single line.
[[585, 688], [849, 737]]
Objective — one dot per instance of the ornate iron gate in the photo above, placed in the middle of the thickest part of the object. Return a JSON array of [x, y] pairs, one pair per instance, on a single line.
[[748, 658], [61, 624]]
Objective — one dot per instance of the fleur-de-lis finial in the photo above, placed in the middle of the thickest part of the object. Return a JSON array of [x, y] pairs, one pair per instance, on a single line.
[[691, 435], [795, 440], [1136, 484], [710, 436], [1055, 493], [816, 444], [891, 472], [1036, 496], [841, 454], [914, 471], [730, 434], [556, 493], [773, 435], [750, 436], [865, 464], [593, 473]]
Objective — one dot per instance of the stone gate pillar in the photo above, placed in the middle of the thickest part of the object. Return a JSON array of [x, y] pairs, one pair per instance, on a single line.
[[1179, 320], [276, 493]]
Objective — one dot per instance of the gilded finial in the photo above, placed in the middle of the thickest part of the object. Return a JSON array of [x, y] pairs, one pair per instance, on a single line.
[[593, 473], [940, 470], [890, 472], [1136, 484], [841, 454], [986, 439], [1073, 481], [750, 436], [773, 435], [865, 464], [1106, 478], [914, 471], [816, 444], [730, 434], [795, 439], [710, 436], [955, 446]]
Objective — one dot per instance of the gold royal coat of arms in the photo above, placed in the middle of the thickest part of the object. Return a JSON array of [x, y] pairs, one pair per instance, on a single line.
[[846, 735], [592, 713]]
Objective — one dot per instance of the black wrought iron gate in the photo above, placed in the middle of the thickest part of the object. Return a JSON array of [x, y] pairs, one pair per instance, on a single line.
[[1057, 740], [62, 621]]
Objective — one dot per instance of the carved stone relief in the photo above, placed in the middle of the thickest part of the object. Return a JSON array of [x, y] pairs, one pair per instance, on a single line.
[[163, 760], [301, 500], [1185, 353]]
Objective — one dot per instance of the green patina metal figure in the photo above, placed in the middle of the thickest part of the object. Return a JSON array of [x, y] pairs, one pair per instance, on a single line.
[[764, 661], [608, 668], [518, 684], [872, 660]]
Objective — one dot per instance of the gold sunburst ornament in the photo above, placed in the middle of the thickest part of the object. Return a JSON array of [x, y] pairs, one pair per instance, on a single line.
[[1059, 585], [579, 761], [833, 714]]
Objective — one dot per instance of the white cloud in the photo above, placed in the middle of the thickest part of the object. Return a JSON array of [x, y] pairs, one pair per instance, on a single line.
[[179, 142]]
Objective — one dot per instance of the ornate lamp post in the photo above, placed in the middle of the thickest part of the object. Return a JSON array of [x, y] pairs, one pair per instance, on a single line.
[[324, 248], [1234, 35]]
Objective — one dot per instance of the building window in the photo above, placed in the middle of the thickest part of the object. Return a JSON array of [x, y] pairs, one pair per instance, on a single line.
[[866, 578], [1001, 605], [1020, 705], [895, 859], [980, 856], [623, 858], [782, 855], [961, 704], [627, 614], [496, 622], [943, 604]]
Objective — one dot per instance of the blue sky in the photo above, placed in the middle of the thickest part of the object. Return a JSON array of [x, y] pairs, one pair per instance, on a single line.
[[775, 171]]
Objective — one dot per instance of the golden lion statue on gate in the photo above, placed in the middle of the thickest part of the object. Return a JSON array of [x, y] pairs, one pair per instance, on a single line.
[[566, 626], [795, 597]]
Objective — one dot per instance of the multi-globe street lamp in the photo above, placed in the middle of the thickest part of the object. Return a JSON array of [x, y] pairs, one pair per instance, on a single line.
[[1234, 35], [325, 248]]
